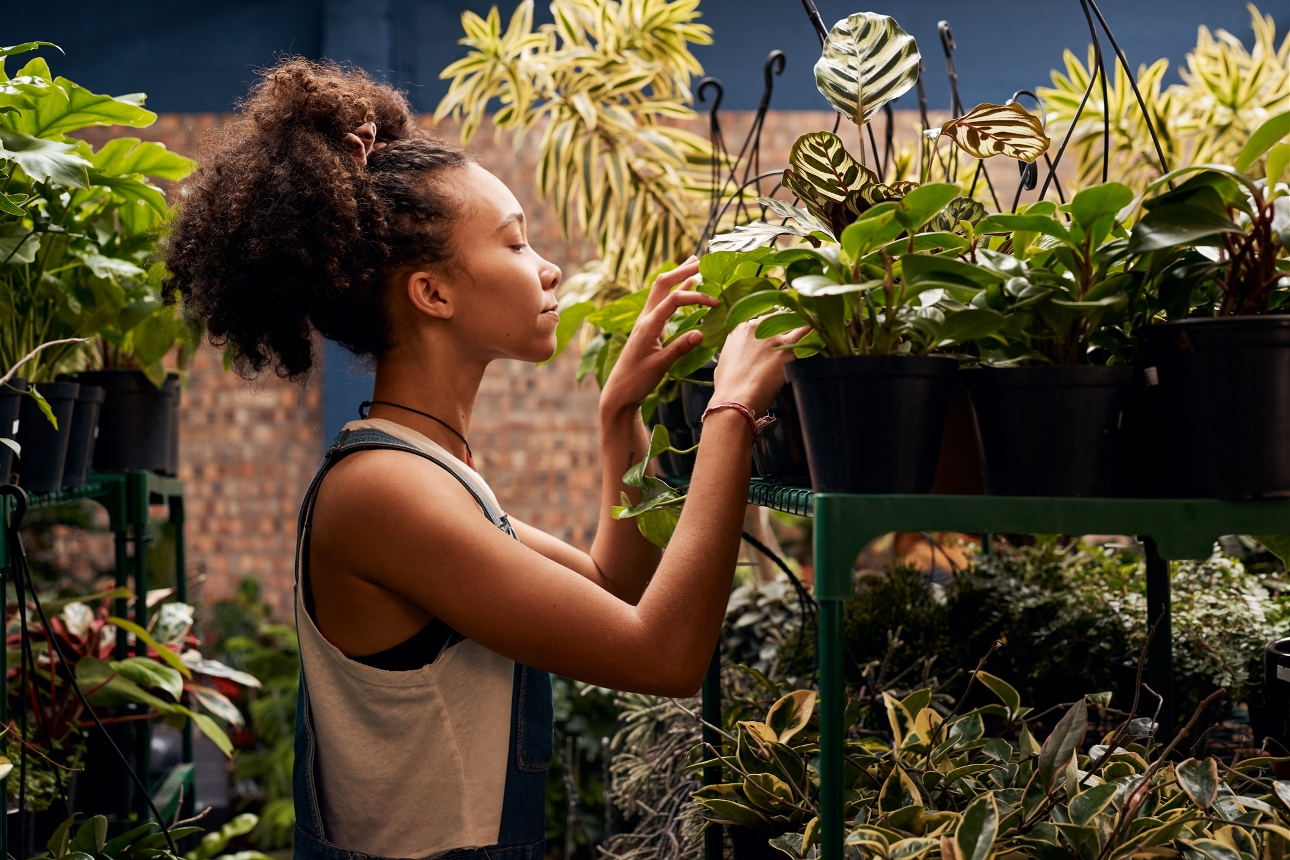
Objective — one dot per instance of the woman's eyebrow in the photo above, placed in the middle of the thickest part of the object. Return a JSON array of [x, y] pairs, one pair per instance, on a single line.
[[513, 218]]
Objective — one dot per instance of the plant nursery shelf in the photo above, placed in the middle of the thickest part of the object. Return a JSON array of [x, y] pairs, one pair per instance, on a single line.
[[1169, 529]]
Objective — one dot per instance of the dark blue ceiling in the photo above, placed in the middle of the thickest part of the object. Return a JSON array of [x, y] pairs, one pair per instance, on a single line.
[[199, 56]]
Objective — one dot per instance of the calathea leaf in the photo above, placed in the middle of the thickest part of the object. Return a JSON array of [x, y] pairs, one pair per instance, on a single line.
[[746, 237], [867, 61], [801, 216], [958, 210], [824, 167], [988, 130]]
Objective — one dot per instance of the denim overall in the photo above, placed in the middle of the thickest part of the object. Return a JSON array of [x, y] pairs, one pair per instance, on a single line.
[[522, 835]]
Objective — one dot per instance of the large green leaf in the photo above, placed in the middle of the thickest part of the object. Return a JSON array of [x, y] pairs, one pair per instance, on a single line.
[[1091, 802], [1278, 545], [162, 651], [1005, 223], [923, 203], [124, 155], [898, 791], [988, 130], [44, 159], [1099, 201], [1264, 138], [67, 106], [104, 686], [867, 61], [790, 714], [620, 314], [1179, 224]]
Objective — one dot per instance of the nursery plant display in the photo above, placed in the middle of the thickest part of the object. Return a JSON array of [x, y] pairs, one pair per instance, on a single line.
[[77, 242]]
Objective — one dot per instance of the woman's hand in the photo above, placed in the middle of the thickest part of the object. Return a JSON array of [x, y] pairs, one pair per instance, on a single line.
[[644, 358], [751, 371]]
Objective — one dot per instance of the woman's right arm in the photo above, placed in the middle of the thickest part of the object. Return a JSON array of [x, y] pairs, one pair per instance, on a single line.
[[411, 528]]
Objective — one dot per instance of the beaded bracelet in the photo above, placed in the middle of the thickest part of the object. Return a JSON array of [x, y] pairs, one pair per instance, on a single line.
[[754, 423]]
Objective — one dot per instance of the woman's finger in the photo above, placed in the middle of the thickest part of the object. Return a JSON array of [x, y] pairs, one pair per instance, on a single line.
[[679, 347], [681, 297], [664, 283], [791, 337]]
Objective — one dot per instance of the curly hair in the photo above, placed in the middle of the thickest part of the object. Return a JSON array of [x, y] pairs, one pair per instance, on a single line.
[[283, 231]]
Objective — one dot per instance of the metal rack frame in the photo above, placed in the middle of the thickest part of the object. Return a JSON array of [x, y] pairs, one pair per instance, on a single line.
[[127, 496], [1170, 529]]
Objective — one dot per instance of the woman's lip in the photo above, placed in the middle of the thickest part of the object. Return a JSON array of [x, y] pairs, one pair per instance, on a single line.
[[555, 311]]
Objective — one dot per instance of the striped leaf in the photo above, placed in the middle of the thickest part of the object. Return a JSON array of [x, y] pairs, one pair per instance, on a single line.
[[989, 130], [867, 61], [822, 167]]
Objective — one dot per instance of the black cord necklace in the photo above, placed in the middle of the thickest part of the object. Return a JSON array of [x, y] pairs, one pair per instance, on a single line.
[[368, 404]]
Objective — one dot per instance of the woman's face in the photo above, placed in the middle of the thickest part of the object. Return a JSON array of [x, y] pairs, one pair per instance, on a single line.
[[503, 296]]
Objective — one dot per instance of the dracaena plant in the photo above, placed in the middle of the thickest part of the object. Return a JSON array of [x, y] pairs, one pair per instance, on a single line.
[[979, 784], [1219, 239]]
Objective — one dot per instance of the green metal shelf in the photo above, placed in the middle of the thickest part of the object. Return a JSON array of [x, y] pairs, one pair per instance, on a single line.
[[1170, 529], [128, 497]]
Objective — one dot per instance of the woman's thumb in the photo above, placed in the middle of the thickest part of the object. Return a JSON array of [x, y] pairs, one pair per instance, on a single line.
[[680, 346]]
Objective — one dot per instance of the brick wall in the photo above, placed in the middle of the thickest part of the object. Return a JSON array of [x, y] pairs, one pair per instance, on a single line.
[[249, 449]]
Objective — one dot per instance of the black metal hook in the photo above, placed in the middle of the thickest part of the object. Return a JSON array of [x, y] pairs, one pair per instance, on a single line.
[[816, 21], [948, 44], [773, 66], [706, 84], [19, 495], [947, 38]]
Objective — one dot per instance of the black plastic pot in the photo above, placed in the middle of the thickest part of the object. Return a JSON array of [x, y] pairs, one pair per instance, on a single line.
[[44, 448], [1049, 431], [10, 401], [1274, 719], [84, 432], [872, 424], [779, 451], [138, 423], [1216, 407]]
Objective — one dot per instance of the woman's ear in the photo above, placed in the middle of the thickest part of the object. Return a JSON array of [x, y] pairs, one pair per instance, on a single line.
[[429, 294]]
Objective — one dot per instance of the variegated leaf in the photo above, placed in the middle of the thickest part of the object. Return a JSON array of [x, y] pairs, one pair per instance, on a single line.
[[821, 161], [989, 130], [867, 61], [745, 237]]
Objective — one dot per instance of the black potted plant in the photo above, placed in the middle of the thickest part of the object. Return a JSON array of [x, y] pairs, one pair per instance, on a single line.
[[1052, 387], [1216, 370]]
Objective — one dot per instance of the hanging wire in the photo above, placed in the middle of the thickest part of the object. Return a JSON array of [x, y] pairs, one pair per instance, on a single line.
[[809, 608], [1133, 82], [18, 558]]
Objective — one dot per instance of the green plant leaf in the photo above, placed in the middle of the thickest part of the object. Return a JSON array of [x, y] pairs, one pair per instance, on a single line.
[[1263, 139], [162, 651], [124, 155], [968, 325], [11, 204], [753, 305], [43, 405], [1212, 849], [1199, 778], [67, 106], [1058, 747], [867, 61], [923, 204], [44, 159], [974, 837], [570, 319], [113, 847], [790, 714], [779, 324], [1006, 692], [1178, 224], [1278, 545], [1090, 803], [150, 673], [898, 791], [823, 162], [207, 726], [1005, 223], [90, 836], [691, 361], [988, 130], [620, 314], [1099, 201], [943, 270], [1278, 158], [13, 446], [62, 835], [960, 209], [869, 232], [104, 686]]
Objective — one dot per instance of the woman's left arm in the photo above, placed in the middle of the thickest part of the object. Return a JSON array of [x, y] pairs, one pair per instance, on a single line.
[[621, 560]]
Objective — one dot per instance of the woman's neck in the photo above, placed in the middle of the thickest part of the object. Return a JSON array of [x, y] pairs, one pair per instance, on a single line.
[[444, 386]]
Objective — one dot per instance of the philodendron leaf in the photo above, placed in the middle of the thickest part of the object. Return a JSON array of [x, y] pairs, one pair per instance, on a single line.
[[790, 714], [988, 130], [1199, 778], [1058, 747], [867, 61], [974, 838], [44, 159]]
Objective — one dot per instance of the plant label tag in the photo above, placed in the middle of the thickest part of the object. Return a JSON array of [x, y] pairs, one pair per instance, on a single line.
[[1151, 375], [96, 431], [1283, 673], [15, 426]]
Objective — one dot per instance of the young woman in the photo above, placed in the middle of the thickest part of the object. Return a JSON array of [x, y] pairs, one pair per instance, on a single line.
[[428, 620]]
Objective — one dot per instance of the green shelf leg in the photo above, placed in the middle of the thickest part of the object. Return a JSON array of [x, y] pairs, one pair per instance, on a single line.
[[832, 586], [713, 841]]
